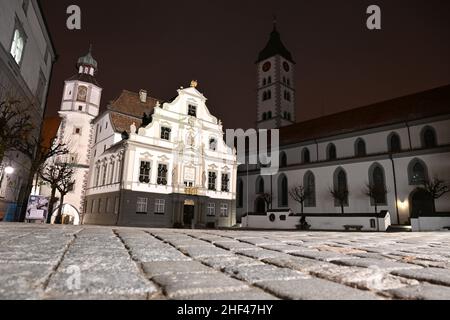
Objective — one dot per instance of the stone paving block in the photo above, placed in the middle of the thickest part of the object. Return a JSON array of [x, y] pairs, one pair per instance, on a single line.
[[178, 285], [158, 268], [235, 245], [252, 294], [101, 282], [205, 251], [298, 263], [386, 265], [182, 243], [23, 281], [259, 241], [283, 248], [314, 289], [261, 254], [221, 263], [362, 278], [323, 255], [433, 275], [152, 254], [422, 292], [257, 273]]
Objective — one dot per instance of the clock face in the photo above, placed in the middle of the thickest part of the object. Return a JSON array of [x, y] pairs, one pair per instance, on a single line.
[[286, 66], [266, 66], [82, 93]]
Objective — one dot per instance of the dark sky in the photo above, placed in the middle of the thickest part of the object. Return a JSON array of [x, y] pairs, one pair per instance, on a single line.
[[161, 45]]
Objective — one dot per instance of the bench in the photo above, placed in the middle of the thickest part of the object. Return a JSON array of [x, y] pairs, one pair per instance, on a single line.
[[352, 227]]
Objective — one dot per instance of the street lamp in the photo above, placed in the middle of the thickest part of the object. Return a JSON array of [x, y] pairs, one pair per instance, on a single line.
[[9, 170]]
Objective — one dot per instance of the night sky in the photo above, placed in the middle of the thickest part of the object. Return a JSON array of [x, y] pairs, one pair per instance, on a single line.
[[161, 45]]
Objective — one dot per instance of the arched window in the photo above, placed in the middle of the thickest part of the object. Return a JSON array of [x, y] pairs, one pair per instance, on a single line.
[[394, 143], [240, 193], [264, 81], [283, 160], [331, 152], [309, 183], [260, 185], [270, 80], [269, 115], [360, 148], [269, 95], [340, 186], [428, 138], [377, 184], [264, 96], [306, 156], [417, 172], [283, 191], [264, 116]]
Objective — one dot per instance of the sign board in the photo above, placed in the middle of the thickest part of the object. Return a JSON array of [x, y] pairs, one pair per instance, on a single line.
[[37, 208]]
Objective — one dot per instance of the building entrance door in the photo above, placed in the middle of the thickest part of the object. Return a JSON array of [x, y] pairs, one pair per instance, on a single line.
[[188, 215]]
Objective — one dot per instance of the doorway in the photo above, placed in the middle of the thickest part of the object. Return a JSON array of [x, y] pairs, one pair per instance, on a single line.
[[421, 204], [188, 214], [260, 205]]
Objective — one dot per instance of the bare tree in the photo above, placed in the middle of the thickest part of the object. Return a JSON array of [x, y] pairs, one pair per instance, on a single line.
[[65, 184], [38, 154], [376, 193], [300, 195], [436, 189], [267, 199], [341, 197], [15, 125], [51, 175]]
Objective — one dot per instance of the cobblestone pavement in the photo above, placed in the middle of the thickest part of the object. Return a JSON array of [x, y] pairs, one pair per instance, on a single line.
[[66, 262]]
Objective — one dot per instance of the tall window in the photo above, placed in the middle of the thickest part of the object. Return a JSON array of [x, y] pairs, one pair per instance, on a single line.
[[225, 182], [97, 176], [260, 185], [141, 205], [394, 143], [165, 133], [340, 185], [283, 160], [282, 191], [309, 183], [144, 172], [428, 138], [192, 111], [378, 184], [269, 115], [240, 193], [18, 45], [213, 144], [224, 210], [160, 206], [212, 177], [306, 156], [40, 87], [162, 174], [111, 177], [417, 172], [211, 210], [360, 148], [104, 172], [331, 152]]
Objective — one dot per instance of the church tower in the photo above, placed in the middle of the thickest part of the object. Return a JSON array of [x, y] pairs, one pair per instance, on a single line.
[[275, 83], [80, 105]]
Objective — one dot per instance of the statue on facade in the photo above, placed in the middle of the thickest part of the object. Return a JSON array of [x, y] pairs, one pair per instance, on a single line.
[[204, 179], [133, 128]]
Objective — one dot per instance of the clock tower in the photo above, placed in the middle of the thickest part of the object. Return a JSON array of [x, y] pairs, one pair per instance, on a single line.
[[80, 105], [275, 83]]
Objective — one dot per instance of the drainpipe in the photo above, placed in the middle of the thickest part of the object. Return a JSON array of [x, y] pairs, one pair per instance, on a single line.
[[395, 187], [409, 135]]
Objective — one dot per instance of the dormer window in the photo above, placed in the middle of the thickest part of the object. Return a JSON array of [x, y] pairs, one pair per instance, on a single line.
[[165, 133], [192, 111]]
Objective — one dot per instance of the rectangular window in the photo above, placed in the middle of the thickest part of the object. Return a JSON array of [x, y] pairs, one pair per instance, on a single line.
[[40, 90], [116, 205], [212, 177], [144, 172], [211, 211], [18, 44], [165, 133], [192, 111], [160, 206], [225, 182], [105, 170], [100, 206], [25, 4], [141, 205], [224, 210], [97, 176], [94, 206], [108, 205], [77, 131], [111, 174], [162, 174]]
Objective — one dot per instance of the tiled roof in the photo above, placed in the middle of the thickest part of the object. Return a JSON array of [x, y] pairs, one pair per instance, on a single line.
[[50, 128], [417, 106], [129, 103], [123, 122]]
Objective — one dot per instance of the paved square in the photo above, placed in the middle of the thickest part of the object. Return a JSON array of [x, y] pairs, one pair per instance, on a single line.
[[88, 262]]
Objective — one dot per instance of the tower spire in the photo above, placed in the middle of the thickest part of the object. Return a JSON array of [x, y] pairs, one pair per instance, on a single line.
[[274, 21]]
